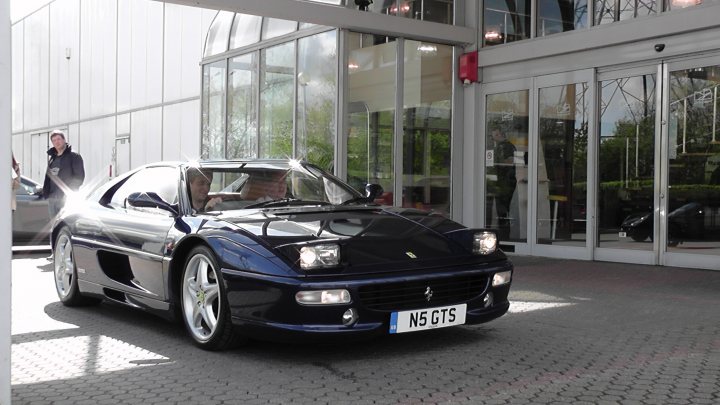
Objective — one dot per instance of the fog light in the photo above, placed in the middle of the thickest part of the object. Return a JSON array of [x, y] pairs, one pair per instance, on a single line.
[[501, 278], [350, 317], [488, 300], [323, 297]]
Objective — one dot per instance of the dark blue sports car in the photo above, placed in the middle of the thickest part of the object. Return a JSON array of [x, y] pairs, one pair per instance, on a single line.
[[270, 249]]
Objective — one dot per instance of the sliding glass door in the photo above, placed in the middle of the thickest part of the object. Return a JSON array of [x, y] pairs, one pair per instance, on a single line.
[[691, 177], [618, 165], [627, 170], [560, 160]]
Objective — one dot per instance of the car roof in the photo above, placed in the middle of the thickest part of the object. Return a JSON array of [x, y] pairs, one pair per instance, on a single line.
[[255, 163], [26, 179]]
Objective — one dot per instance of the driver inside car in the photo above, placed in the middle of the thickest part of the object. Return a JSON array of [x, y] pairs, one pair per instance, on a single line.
[[200, 181]]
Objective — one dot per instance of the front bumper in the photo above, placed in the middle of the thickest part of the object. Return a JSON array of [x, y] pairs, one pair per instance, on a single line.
[[265, 307]]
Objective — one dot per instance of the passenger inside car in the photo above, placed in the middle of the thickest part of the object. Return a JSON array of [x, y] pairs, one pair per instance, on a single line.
[[266, 186]]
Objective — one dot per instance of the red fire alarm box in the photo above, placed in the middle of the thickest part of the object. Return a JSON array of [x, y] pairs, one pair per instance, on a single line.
[[468, 67]]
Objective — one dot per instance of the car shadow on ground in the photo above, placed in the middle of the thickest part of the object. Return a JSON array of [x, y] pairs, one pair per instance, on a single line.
[[169, 338], [46, 268], [47, 263]]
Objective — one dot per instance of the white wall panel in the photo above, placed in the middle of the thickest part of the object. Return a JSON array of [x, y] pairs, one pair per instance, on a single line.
[[184, 37], [123, 124], [140, 53], [97, 139], [36, 160], [64, 61], [35, 66], [17, 76], [145, 137], [124, 56], [73, 134], [122, 145], [173, 50], [26, 165], [181, 131], [97, 57], [146, 52]]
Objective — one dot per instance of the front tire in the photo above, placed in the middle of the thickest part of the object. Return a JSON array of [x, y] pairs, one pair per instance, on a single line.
[[65, 271], [205, 310]]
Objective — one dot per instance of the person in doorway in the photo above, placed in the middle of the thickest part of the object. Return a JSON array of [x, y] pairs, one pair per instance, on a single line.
[[503, 154], [65, 173], [199, 181]]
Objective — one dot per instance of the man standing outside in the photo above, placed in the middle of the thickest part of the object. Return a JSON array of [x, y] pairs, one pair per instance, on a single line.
[[65, 172]]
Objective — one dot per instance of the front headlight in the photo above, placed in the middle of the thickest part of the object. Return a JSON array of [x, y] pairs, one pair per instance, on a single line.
[[317, 256], [484, 242]]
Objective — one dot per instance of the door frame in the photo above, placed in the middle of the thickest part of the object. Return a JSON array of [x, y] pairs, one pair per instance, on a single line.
[[659, 254], [481, 146], [649, 257], [669, 258], [532, 86], [555, 80]]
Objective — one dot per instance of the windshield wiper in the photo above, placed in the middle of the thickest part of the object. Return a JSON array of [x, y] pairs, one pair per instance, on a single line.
[[286, 201]]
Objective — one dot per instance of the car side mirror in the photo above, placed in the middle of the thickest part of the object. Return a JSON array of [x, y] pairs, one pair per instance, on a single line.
[[150, 200], [372, 191]]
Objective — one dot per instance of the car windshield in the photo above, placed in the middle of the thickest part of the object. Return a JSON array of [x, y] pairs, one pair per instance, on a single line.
[[258, 185]]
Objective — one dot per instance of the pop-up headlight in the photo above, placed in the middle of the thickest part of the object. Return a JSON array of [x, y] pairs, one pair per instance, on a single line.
[[317, 256], [484, 242]]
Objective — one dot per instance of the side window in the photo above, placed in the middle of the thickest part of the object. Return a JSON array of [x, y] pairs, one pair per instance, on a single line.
[[161, 180], [25, 188]]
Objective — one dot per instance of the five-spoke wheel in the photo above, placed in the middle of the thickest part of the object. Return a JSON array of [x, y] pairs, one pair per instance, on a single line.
[[66, 282], [204, 309]]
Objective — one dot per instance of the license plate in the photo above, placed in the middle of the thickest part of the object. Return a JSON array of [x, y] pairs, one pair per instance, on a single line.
[[430, 318], [622, 234]]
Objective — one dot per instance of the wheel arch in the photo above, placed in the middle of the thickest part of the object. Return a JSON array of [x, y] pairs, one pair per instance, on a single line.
[[55, 232], [177, 264]]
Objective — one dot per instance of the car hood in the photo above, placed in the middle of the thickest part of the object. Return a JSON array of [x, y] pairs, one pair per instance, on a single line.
[[368, 236]]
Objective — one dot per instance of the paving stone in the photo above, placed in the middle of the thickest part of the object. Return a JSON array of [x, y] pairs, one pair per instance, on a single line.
[[614, 340]]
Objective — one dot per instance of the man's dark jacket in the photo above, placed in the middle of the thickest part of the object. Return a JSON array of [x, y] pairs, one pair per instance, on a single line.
[[72, 172]]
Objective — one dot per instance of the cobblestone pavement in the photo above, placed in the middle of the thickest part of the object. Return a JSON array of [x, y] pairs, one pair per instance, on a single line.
[[579, 332]]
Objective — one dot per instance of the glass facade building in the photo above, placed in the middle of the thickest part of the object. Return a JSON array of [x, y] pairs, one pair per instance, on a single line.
[[591, 134]]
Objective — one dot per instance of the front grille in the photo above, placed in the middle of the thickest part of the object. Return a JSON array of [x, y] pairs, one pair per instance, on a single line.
[[411, 294]]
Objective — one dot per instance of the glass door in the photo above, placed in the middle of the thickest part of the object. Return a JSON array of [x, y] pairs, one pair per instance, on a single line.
[[627, 191], [691, 180], [560, 160], [505, 147]]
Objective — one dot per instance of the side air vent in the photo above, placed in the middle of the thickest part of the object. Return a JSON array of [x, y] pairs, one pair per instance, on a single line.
[[114, 294], [116, 266]]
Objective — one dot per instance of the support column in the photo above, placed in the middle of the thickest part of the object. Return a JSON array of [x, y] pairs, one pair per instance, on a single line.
[[5, 231]]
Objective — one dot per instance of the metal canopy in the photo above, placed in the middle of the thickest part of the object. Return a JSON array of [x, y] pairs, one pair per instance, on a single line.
[[341, 17]]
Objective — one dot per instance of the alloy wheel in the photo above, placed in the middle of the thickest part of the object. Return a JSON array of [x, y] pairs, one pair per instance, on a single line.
[[64, 265], [201, 297]]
